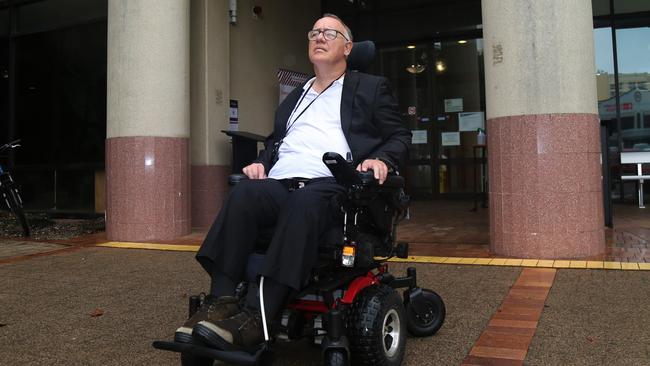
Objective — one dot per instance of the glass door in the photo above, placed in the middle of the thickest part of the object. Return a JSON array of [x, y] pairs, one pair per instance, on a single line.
[[440, 91], [4, 90]]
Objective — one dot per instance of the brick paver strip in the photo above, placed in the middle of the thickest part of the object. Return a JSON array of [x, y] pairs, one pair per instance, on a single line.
[[507, 337]]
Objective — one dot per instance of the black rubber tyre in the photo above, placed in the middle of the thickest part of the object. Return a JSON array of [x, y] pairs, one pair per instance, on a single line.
[[335, 358], [430, 323], [377, 327], [15, 203], [191, 360]]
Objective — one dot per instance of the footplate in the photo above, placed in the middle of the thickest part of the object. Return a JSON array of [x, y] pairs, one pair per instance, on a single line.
[[260, 357]]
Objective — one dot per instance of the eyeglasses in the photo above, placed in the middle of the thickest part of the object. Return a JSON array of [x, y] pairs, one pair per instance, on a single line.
[[329, 34]]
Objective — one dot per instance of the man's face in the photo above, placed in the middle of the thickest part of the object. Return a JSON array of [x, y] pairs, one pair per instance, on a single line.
[[323, 51]]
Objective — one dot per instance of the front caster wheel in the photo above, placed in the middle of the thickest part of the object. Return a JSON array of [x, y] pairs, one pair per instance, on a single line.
[[425, 312]]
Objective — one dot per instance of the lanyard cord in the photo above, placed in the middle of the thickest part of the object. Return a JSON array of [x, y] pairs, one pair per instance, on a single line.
[[291, 123]]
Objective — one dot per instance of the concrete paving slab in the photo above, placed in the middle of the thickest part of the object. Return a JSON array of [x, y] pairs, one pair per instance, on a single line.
[[594, 317], [16, 248], [48, 301]]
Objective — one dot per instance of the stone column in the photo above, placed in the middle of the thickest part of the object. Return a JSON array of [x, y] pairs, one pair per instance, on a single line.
[[147, 146], [543, 129], [210, 96]]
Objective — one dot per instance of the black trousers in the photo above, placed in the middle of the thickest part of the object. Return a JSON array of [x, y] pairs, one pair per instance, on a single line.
[[296, 219]]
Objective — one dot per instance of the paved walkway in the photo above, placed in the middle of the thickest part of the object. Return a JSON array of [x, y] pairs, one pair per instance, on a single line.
[[104, 306], [86, 301]]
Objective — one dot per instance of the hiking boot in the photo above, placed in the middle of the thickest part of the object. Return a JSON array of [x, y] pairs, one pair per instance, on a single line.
[[243, 331], [212, 309]]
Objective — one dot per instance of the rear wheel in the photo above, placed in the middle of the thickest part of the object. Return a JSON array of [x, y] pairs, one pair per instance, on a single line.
[[377, 327], [15, 204]]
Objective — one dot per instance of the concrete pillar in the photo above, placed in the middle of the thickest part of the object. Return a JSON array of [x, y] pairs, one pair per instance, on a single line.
[[210, 96], [147, 146], [543, 129]]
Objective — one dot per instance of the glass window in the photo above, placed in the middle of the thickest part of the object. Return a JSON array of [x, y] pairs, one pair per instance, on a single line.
[[600, 7], [61, 109], [4, 22], [633, 51], [631, 6], [45, 15], [4, 90], [604, 64]]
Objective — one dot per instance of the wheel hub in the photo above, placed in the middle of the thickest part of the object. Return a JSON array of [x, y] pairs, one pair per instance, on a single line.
[[391, 333]]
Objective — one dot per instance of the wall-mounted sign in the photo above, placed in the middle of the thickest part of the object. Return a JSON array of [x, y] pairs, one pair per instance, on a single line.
[[289, 80], [419, 137], [412, 110], [453, 105], [450, 138], [234, 115], [471, 121]]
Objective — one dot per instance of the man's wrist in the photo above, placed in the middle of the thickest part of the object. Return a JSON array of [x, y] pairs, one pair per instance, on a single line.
[[388, 163]]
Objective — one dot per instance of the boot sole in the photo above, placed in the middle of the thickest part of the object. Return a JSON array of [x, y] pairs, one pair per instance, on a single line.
[[183, 337], [212, 339]]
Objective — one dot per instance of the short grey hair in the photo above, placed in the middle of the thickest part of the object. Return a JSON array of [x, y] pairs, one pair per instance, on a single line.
[[347, 29]]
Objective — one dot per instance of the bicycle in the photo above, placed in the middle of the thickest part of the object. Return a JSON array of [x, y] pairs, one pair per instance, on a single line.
[[10, 192]]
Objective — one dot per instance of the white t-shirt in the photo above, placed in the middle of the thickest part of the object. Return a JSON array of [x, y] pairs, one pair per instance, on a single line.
[[312, 133]]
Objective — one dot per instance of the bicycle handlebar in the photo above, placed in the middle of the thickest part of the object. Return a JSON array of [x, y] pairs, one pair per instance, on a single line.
[[10, 145]]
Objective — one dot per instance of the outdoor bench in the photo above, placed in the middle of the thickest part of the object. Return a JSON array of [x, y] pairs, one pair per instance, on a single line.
[[639, 158]]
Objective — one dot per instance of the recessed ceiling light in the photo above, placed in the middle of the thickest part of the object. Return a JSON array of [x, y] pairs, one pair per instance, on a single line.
[[416, 68], [462, 41], [410, 47]]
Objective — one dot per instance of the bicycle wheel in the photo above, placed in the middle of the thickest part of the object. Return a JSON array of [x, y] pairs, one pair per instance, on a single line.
[[15, 203]]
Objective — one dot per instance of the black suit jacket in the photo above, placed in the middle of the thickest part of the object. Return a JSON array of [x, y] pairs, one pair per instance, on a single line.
[[370, 121]]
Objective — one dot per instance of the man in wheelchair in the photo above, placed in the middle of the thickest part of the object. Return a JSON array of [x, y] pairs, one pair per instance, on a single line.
[[296, 194]]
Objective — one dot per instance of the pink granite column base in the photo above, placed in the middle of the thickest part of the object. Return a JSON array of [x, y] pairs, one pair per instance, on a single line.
[[147, 188], [209, 188], [545, 186]]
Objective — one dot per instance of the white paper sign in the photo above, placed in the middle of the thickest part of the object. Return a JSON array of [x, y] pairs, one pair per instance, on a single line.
[[471, 121], [419, 137], [453, 105], [450, 138]]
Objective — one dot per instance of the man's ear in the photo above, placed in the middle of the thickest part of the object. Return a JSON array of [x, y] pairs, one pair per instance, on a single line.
[[348, 49]]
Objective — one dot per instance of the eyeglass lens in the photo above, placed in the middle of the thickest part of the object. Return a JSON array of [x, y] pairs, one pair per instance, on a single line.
[[329, 34]]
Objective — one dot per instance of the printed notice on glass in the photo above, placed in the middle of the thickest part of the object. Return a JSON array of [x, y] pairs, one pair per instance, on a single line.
[[453, 105], [419, 137], [450, 138], [471, 121]]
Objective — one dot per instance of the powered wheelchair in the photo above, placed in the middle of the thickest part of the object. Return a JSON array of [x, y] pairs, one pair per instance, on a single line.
[[351, 307]]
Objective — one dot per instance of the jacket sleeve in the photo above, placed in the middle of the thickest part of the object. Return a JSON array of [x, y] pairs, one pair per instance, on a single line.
[[268, 155], [396, 137]]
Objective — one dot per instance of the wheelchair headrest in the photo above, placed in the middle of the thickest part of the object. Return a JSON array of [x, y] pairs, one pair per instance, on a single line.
[[361, 56]]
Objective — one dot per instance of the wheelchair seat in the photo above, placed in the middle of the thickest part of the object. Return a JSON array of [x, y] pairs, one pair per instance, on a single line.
[[369, 214]]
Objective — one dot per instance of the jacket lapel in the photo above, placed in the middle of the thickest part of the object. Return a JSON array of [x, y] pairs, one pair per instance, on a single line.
[[285, 109], [350, 84]]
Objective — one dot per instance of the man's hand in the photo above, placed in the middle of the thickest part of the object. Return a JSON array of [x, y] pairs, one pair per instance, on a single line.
[[377, 166], [255, 171]]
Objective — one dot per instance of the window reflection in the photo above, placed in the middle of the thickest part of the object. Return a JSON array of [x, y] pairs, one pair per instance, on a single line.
[[633, 51]]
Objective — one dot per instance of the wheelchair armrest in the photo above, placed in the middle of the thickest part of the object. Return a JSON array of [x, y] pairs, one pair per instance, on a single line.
[[392, 180], [233, 179], [347, 176], [343, 171]]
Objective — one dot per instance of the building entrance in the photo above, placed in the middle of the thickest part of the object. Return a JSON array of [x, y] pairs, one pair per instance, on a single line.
[[440, 90]]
